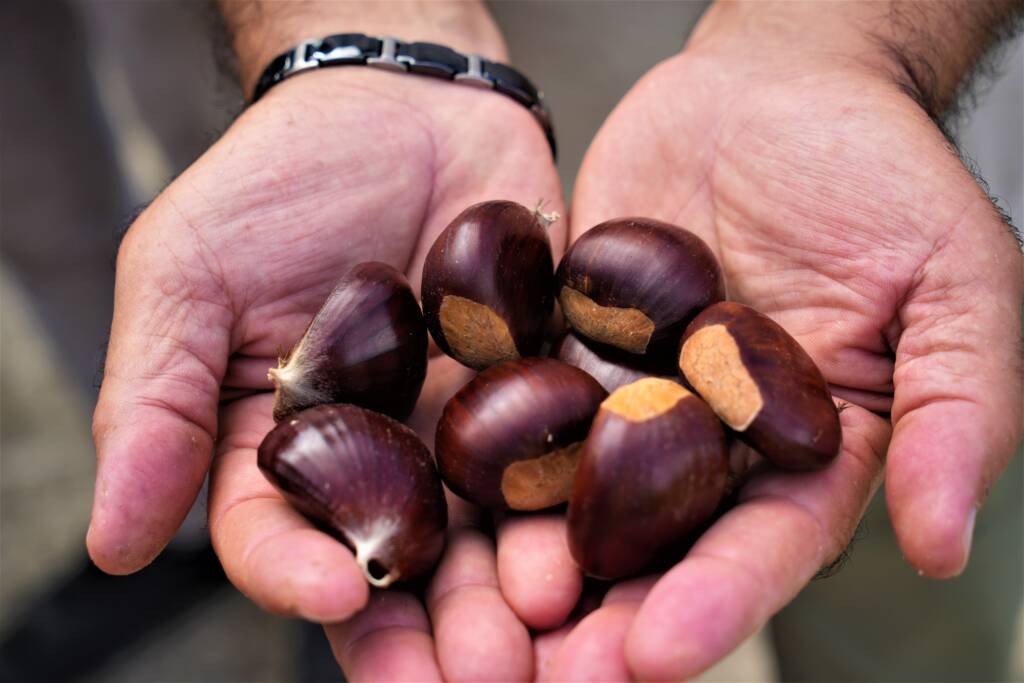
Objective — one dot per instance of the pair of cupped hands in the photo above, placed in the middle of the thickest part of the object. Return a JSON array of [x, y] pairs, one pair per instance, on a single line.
[[835, 206]]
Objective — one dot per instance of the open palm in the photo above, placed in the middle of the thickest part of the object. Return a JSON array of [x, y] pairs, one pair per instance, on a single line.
[[836, 207], [223, 272]]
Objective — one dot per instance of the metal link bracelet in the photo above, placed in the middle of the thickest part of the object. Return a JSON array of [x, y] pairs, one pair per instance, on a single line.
[[427, 59]]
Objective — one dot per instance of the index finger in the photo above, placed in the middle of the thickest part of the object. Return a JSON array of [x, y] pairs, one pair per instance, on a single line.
[[756, 558], [268, 550]]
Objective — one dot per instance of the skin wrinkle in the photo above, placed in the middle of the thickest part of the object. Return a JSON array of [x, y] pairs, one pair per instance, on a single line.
[[218, 519], [206, 253], [182, 350], [380, 631], [436, 601], [246, 571], [843, 225], [163, 404], [211, 265]]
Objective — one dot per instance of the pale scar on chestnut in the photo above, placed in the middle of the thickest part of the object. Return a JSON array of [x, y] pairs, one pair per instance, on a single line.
[[475, 333], [626, 328], [541, 482], [645, 399], [711, 362]]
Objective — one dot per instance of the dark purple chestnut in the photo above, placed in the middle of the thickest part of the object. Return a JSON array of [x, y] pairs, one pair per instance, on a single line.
[[651, 472], [762, 383], [611, 367], [368, 480], [634, 283], [510, 438], [367, 345], [487, 284]]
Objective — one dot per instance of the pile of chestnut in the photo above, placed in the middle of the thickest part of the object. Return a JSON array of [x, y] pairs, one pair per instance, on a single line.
[[643, 467]]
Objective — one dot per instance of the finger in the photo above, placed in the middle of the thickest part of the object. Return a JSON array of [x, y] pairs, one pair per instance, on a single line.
[[594, 650], [959, 400], [268, 550], [545, 647], [388, 641], [756, 558], [478, 636], [156, 418], [537, 574]]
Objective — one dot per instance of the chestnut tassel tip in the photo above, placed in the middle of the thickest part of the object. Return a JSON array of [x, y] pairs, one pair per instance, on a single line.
[[292, 390], [545, 219], [376, 572]]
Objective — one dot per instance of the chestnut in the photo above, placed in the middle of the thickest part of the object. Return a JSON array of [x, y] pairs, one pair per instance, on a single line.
[[652, 470], [368, 480], [367, 345], [611, 367], [762, 383], [510, 438], [487, 284], [634, 283]]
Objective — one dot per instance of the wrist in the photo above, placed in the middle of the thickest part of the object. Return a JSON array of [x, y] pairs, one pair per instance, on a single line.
[[927, 49], [262, 30]]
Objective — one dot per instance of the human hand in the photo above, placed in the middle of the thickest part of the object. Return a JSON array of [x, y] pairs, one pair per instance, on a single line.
[[223, 272], [837, 207]]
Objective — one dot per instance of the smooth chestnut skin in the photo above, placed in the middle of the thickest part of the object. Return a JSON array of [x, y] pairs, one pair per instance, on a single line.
[[367, 345], [652, 470], [762, 383], [487, 284], [611, 367], [634, 283], [510, 438], [365, 478]]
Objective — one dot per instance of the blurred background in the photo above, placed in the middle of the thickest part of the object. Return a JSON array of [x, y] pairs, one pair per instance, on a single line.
[[105, 102]]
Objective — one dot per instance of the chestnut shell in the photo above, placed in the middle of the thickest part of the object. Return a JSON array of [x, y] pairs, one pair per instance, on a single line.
[[368, 480], [797, 424], [652, 471], [610, 366], [367, 345], [487, 284], [634, 283], [510, 438]]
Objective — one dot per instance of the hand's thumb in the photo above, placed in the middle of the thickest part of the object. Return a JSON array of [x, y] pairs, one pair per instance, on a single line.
[[155, 421], [958, 402]]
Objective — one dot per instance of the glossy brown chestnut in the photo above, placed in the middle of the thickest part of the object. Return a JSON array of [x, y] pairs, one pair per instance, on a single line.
[[761, 382], [611, 367], [368, 480], [634, 283], [510, 438], [487, 284], [367, 345], [652, 470]]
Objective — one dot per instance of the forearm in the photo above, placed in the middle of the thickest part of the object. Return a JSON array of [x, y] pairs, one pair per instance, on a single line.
[[930, 47], [262, 29]]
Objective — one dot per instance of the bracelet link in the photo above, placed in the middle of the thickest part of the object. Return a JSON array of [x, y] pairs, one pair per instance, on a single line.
[[301, 58], [388, 59], [474, 75]]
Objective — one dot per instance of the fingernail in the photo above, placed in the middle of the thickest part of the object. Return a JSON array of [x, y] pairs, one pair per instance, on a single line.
[[968, 535]]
